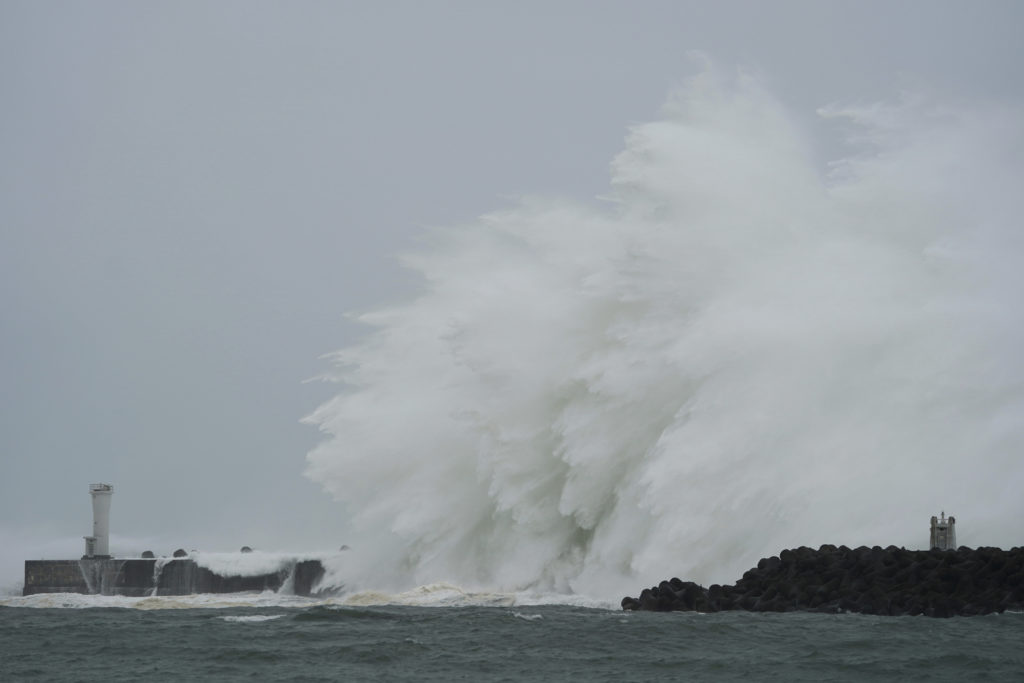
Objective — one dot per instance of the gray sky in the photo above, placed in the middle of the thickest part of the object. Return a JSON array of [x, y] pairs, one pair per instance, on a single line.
[[193, 195]]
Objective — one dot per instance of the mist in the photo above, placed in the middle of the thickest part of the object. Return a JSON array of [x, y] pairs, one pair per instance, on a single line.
[[732, 353]]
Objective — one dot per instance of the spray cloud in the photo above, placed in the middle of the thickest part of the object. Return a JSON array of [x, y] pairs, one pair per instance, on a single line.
[[735, 353]]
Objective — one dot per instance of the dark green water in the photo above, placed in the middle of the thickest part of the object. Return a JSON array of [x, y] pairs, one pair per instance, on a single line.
[[549, 643]]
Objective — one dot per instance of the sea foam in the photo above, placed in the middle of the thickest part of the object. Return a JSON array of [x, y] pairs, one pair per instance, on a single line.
[[736, 351]]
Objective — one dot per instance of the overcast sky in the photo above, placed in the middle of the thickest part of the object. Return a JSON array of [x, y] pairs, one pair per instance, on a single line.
[[194, 195]]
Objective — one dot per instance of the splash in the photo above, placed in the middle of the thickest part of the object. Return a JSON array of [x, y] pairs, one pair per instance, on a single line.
[[254, 563], [737, 352], [158, 570]]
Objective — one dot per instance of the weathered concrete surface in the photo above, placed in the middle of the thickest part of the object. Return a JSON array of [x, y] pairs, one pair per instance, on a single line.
[[54, 576], [93, 576], [139, 577]]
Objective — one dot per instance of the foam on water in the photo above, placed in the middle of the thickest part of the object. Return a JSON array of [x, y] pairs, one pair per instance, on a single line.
[[527, 617], [197, 601], [737, 352], [252, 619], [433, 595]]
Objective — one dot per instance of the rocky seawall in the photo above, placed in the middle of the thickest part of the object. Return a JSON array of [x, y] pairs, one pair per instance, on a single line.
[[888, 581], [150, 577]]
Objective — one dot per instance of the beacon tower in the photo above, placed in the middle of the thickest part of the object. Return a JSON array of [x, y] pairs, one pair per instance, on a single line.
[[943, 534], [98, 545]]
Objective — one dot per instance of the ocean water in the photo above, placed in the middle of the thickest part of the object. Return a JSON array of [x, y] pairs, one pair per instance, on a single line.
[[267, 639]]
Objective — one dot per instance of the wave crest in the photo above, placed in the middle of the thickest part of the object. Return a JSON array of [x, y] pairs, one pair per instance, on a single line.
[[736, 353]]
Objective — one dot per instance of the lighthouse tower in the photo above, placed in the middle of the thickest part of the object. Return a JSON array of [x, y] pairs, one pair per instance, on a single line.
[[943, 534], [97, 546]]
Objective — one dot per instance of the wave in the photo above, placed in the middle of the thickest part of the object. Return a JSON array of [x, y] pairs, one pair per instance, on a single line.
[[252, 619], [311, 608], [735, 351]]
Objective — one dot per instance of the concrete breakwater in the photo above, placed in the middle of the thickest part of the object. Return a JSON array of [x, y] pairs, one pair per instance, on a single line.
[[140, 577], [887, 581]]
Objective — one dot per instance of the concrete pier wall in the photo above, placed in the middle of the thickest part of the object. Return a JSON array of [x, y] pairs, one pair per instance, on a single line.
[[140, 577], [54, 576]]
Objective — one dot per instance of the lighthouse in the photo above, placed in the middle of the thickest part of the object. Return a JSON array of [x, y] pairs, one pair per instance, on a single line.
[[97, 546]]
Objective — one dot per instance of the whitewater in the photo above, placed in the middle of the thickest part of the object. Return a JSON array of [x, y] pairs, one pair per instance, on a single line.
[[737, 349]]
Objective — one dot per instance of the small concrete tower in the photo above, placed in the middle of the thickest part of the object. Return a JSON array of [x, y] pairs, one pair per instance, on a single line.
[[943, 534], [98, 545]]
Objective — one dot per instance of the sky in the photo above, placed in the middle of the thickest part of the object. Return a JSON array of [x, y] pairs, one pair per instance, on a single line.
[[195, 198]]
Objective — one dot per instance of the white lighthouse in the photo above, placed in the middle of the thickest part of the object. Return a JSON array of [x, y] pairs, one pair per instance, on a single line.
[[98, 545]]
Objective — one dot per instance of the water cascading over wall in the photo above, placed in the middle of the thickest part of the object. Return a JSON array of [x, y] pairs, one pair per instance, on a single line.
[[151, 577]]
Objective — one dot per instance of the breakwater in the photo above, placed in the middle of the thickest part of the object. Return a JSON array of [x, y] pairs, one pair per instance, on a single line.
[[140, 577], [887, 581]]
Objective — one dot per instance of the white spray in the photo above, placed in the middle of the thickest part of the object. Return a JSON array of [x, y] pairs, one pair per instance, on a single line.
[[737, 354], [158, 570]]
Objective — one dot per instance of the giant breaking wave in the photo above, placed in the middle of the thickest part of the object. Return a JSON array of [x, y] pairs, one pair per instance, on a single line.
[[738, 350]]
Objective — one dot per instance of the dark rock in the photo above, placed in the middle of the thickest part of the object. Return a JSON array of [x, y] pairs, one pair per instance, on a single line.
[[876, 580]]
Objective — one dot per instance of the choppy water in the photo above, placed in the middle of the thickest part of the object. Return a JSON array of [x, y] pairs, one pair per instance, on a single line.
[[496, 643]]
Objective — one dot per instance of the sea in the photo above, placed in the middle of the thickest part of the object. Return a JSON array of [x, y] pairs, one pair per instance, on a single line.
[[747, 344], [453, 637]]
